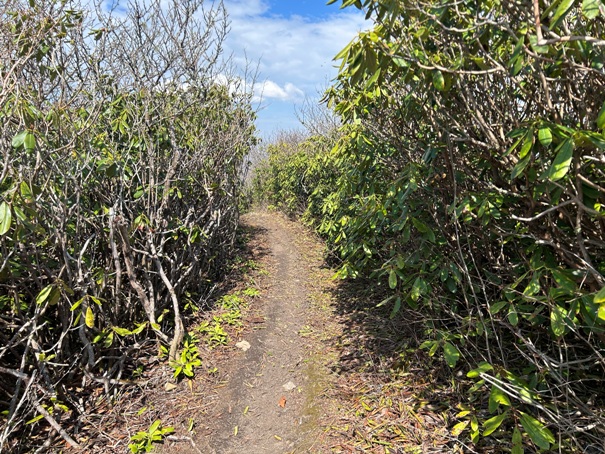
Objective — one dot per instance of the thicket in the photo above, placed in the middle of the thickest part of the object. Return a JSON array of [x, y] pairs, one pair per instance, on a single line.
[[469, 183], [123, 133]]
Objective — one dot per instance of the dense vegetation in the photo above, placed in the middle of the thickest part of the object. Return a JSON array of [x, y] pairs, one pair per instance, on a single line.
[[122, 136], [468, 181]]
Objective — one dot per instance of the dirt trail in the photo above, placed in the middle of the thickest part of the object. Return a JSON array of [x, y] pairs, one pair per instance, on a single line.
[[262, 407]]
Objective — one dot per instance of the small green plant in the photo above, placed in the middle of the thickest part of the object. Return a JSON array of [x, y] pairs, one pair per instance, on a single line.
[[251, 292], [184, 365], [233, 301], [214, 333], [143, 441], [232, 318], [252, 265]]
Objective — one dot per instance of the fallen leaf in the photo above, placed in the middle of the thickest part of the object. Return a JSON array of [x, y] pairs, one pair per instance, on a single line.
[[282, 402], [169, 386]]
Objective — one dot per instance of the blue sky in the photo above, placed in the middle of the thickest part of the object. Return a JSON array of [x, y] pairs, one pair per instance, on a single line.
[[293, 43]]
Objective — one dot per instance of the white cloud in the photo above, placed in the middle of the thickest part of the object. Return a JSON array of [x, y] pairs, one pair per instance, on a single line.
[[272, 90], [294, 54]]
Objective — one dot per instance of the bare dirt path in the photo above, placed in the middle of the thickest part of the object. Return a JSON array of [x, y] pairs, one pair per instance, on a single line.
[[267, 404]]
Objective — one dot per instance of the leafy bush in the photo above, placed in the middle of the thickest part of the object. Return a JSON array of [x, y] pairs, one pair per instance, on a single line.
[[119, 187], [469, 184]]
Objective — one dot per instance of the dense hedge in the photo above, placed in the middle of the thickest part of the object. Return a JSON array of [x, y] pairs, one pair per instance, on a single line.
[[470, 183], [119, 188]]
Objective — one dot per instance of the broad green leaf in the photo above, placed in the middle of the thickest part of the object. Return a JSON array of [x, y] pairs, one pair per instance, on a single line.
[[517, 442], [6, 218], [560, 166], [538, 432], [599, 298], [140, 328], [590, 8], [29, 141], [451, 354], [528, 144], [19, 139], [482, 367], [418, 289], [90, 318], [396, 307], [492, 424], [497, 307], [44, 294], [557, 320], [26, 192], [513, 316], [564, 7], [564, 281], [77, 304], [438, 80], [534, 285], [121, 331], [392, 279], [497, 397], [459, 428], [601, 118], [601, 312], [520, 167], [545, 136], [154, 426]]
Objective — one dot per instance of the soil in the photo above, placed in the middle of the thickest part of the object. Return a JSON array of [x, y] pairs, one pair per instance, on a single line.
[[262, 407], [270, 397]]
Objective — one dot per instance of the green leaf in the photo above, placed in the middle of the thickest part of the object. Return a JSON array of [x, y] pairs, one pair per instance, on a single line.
[[534, 285], [481, 368], [418, 289], [156, 424], [26, 192], [459, 428], [89, 320], [77, 304], [29, 141], [392, 279], [497, 397], [538, 432], [6, 218], [590, 8], [557, 320], [140, 328], [492, 424], [452, 355], [599, 297], [601, 118], [19, 139], [545, 136], [528, 144], [438, 80], [562, 162], [121, 331], [513, 317], [44, 294], [601, 312], [497, 307], [564, 7], [520, 167], [517, 442]]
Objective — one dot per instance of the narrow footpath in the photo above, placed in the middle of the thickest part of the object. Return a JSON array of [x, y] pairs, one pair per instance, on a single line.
[[266, 406]]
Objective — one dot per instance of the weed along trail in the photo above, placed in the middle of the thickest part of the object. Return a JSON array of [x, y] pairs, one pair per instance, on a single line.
[[262, 407]]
